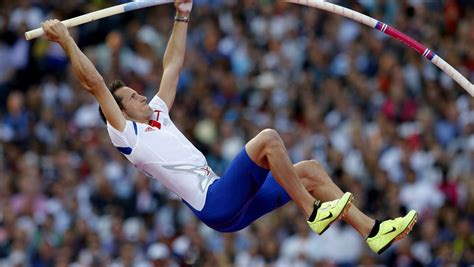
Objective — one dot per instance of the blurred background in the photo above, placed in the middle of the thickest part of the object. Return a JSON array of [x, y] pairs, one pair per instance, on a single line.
[[386, 124]]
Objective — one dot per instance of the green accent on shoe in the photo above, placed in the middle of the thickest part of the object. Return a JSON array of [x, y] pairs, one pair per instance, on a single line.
[[390, 231], [329, 212]]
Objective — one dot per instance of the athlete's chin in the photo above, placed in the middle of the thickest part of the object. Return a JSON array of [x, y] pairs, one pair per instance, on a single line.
[[147, 108]]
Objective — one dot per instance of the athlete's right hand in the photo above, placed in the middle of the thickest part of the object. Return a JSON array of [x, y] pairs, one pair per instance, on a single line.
[[183, 6], [55, 30]]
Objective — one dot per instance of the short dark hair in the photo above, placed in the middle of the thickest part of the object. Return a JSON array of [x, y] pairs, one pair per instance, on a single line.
[[113, 87]]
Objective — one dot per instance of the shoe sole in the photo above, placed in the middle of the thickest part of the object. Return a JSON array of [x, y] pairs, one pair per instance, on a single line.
[[401, 235], [341, 215]]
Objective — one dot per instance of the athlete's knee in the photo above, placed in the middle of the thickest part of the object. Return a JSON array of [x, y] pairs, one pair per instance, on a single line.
[[313, 170], [313, 164], [270, 139]]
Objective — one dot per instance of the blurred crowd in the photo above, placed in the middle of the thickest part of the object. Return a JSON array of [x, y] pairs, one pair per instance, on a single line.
[[385, 122]]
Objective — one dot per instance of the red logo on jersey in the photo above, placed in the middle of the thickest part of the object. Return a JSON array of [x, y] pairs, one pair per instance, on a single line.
[[155, 123]]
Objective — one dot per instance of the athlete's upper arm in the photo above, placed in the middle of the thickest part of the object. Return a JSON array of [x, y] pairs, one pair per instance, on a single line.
[[168, 85], [109, 106], [124, 140]]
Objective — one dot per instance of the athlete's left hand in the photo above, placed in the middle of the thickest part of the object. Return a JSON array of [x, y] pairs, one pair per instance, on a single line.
[[55, 30], [183, 7]]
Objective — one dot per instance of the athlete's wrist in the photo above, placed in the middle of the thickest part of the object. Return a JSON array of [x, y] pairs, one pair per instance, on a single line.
[[182, 16], [65, 40]]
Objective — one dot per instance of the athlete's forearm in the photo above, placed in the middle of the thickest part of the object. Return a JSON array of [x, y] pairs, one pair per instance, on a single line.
[[85, 71], [173, 62], [174, 55]]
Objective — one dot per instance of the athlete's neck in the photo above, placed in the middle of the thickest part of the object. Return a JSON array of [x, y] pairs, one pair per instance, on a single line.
[[143, 118], [148, 114]]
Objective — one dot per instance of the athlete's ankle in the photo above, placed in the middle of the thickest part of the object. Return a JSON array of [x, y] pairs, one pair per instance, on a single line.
[[316, 205], [375, 229]]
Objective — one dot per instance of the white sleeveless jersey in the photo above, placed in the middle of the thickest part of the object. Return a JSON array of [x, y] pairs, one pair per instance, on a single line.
[[161, 151]]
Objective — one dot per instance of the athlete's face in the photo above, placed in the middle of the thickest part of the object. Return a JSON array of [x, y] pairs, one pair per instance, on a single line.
[[134, 105]]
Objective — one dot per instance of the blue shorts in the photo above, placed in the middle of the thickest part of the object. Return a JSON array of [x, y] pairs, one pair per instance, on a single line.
[[243, 194]]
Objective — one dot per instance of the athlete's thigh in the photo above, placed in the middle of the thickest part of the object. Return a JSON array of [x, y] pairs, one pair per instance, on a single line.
[[243, 174], [271, 196], [229, 195]]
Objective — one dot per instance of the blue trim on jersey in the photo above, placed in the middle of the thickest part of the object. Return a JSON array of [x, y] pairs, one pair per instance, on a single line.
[[245, 193], [124, 150], [135, 127], [128, 150]]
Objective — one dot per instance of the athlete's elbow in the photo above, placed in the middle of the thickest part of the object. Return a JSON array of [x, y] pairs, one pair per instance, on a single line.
[[92, 84]]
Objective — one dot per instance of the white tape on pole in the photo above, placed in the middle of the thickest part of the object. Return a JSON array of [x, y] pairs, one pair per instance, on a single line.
[[99, 14]]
